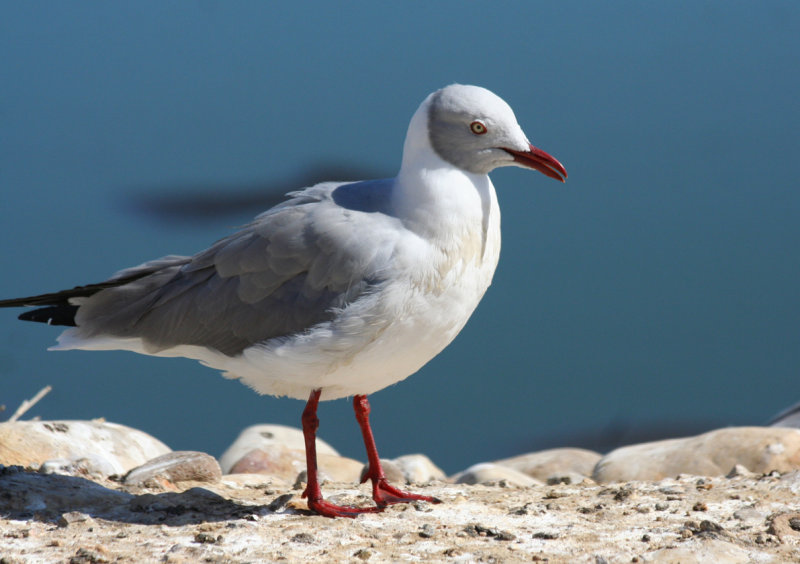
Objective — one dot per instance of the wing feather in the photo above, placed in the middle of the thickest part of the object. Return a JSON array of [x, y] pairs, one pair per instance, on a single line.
[[278, 276]]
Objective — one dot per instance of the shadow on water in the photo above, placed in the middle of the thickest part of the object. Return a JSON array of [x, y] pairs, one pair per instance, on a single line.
[[199, 202]]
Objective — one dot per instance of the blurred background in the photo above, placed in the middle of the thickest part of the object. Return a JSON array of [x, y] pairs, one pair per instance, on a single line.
[[655, 294]]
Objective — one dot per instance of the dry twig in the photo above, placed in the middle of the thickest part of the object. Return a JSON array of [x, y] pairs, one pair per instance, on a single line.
[[27, 404]]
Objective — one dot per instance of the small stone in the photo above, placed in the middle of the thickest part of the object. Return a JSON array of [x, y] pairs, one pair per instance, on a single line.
[[393, 472], [304, 538], [266, 437], [301, 480], [206, 538], [286, 463], [623, 493], [74, 517], [707, 526], [740, 471], [503, 535], [476, 530], [700, 506], [178, 466], [84, 466], [363, 554], [749, 516], [545, 535], [557, 462], [280, 502], [567, 479], [409, 469], [86, 556], [427, 531], [488, 473]]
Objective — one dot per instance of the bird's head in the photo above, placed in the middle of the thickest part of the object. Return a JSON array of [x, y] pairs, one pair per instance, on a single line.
[[476, 130]]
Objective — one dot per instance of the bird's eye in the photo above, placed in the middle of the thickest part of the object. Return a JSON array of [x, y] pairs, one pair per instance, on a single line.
[[477, 128]]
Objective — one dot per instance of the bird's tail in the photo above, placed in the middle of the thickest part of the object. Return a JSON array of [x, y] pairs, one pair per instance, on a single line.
[[59, 308]]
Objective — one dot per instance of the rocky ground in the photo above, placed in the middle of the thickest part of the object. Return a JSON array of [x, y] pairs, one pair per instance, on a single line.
[[93, 491], [248, 518]]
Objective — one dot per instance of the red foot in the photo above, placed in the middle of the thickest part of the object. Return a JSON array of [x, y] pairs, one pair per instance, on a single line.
[[327, 509], [384, 494]]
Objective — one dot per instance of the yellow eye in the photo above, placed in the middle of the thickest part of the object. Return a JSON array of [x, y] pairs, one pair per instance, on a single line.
[[477, 128]]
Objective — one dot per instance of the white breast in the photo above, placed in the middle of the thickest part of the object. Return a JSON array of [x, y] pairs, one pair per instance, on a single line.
[[435, 284]]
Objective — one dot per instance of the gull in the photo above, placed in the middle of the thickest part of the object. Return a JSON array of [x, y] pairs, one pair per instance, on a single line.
[[343, 289]]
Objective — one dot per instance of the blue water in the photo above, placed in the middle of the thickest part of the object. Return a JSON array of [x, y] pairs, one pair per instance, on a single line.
[[655, 293]]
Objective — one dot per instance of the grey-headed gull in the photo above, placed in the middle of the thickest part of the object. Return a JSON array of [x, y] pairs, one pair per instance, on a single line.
[[342, 290]]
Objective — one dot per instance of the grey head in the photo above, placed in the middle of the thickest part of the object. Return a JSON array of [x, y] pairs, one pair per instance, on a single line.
[[476, 130]]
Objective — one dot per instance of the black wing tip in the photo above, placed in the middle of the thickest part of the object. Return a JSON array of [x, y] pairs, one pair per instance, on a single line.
[[53, 315]]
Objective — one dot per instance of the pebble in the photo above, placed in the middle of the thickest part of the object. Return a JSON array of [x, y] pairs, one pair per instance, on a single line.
[[699, 551], [758, 449], [177, 466], [739, 471], [265, 437], [73, 517], [113, 448], [286, 463], [409, 469], [792, 481], [749, 516], [92, 465], [419, 469], [490, 473], [554, 463]]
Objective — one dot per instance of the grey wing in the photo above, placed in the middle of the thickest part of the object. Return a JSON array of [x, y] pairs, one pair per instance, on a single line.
[[279, 276]]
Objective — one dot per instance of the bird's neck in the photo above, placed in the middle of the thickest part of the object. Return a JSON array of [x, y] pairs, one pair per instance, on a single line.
[[438, 201]]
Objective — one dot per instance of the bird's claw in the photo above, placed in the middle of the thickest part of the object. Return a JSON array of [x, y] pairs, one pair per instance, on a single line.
[[385, 494], [327, 509]]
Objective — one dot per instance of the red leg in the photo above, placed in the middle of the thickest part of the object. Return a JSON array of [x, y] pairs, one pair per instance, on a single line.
[[313, 491], [382, 492]]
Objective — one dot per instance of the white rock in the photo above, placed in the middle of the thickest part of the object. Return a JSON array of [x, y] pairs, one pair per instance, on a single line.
[[92, 465], [120, 448], [759, 449], [490, 473], [419, 469], [554, 462], [410, 469], [264, 437]]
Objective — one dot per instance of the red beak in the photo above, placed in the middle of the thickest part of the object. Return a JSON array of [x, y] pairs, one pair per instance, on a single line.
[[541, 161]]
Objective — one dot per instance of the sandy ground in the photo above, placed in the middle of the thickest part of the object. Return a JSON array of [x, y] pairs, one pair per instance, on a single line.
[[245, 518]]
